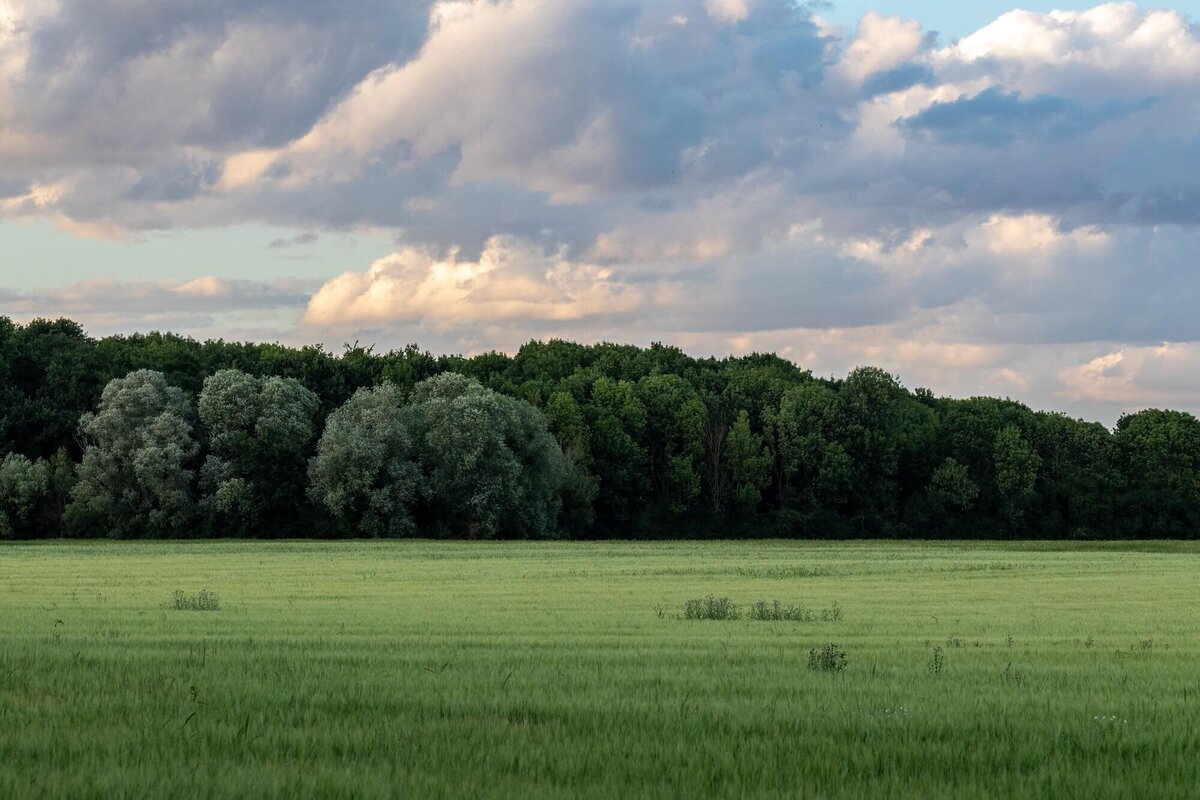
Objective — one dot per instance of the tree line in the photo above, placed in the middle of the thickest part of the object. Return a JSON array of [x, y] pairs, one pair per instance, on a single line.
[[159, 435]]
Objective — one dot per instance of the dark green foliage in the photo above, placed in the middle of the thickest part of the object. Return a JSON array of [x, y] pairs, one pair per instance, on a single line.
[[204, 600], [559, 439], [50, 374], [365, 473], [490, 465], [1159, 453], [830, 658], [951, 486], [748, 462], [776, 611], [24, 486], [259, 432], [136, 476], [713, 608]]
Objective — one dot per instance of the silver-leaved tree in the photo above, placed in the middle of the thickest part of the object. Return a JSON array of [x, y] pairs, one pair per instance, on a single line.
[[136, 475]]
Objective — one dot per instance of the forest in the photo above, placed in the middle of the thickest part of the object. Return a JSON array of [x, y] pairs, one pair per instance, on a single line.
[[161, 436]]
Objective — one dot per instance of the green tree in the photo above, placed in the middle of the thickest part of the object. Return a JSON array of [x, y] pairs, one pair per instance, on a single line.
[[24, 487], [616, 421], [749, 463], [259, 432], [1082, 478], [814, 463], [1160, 458], [55, 373], [566, 421], [365, 471], [951, 486], [676, 420], [491, 465], [1016, 474], [136, 478], [870, 404]]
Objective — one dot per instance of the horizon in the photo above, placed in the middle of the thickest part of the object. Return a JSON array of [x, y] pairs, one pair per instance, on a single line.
[[339, 351], [982, 203]]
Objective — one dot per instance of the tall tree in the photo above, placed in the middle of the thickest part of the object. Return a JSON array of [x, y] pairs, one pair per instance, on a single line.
[[365, 472], [1016, 475], [1160, 454], [749, 463], [675, 428], [259, 431], [490, 463], [136, 476]]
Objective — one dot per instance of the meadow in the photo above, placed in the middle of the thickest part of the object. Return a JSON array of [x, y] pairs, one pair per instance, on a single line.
[[463, 669]]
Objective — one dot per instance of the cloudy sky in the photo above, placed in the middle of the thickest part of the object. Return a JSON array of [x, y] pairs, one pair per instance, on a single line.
[[981, 199]]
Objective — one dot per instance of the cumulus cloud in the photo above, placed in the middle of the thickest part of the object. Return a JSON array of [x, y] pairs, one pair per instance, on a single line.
[[510, 281], [881, 45], [1137, 377]]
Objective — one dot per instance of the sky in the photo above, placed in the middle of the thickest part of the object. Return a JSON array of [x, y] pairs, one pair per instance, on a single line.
[[979, 198]]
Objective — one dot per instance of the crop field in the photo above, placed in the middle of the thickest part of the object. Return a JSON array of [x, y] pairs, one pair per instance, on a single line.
[[455, 669]]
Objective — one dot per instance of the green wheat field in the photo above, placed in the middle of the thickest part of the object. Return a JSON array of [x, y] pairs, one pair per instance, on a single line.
[[453, 669]]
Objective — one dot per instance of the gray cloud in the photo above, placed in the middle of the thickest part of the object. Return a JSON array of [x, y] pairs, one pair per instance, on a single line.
[[104, 297], [996, 118], [299, 240]]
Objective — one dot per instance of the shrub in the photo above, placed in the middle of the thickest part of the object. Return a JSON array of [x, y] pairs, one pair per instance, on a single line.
[[711, 608], [204, 601], [777, 611], [831, 614], [829, 658]]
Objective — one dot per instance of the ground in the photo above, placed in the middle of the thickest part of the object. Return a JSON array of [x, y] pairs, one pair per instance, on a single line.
[[449, 669]]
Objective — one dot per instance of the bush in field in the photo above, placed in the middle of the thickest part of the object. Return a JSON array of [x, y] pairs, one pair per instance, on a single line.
[[203, 601], [259, 431], [365, 473], [775, 611], [719, 608], [135, 478], [491, 466], [830, 658]]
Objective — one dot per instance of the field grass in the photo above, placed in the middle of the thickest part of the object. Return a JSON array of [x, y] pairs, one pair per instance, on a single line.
[[440, 669]]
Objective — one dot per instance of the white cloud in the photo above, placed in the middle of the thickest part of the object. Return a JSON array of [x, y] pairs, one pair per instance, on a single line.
[[728, 11], [1117, 39], [512, 281], [1135, 377], [880, 44]]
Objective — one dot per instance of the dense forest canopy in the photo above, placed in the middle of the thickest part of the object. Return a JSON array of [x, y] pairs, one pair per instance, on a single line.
[[158, 435]]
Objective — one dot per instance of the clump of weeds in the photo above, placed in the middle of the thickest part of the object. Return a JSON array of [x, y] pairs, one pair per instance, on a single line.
[[937, 663], [830, 658], [1143, 648], [711, 607], [723, 608], [202, 601], [831, 614], [776, 611]]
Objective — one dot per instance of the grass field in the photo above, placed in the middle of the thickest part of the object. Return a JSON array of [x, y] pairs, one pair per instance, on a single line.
[[440, 669]]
